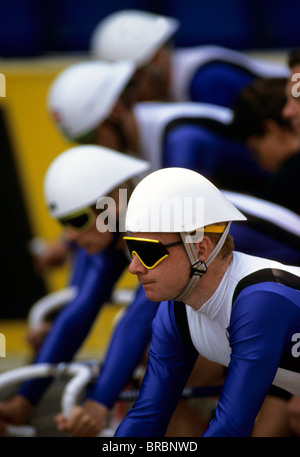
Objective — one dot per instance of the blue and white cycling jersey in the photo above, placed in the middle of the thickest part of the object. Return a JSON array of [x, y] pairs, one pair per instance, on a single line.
[[197, 136], [215, 74], [251, 325]]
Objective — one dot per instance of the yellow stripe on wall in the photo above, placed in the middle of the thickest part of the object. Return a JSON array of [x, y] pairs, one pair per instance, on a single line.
[[36, 141], [18, 352]]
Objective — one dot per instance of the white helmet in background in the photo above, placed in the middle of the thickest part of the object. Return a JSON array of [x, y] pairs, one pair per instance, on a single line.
[[83, 95], [181, 200], [79, 176], [132, 35]]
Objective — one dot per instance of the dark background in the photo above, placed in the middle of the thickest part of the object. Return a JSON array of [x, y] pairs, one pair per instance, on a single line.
[[37, 27]]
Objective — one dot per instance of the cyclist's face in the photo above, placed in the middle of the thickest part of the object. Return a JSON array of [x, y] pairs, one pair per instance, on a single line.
[[91, 240], [169, 277], [271, 148], [152, 80], [291, 110], [106, 136]]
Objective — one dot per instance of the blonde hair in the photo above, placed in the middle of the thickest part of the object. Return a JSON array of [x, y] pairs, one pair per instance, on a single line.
[[215, 234], [227, 247]]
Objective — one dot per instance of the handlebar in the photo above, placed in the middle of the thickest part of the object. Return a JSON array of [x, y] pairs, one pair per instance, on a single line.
[[81, 374], [51, 302], [27, 372]]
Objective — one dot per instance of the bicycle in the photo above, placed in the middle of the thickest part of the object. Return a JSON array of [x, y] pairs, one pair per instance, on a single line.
[[81, 373]]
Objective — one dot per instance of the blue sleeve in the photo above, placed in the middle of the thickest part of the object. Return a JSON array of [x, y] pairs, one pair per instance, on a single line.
[[80, 262], [249, 238], [169, 366], [261, 327], [225, 161], [126, 349], [74, 322], [192, 146], [219, 83]]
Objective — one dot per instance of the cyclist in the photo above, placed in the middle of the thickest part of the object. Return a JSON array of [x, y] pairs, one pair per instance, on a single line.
[[74, 182], [209, 74], [214, 301], [192, 135]]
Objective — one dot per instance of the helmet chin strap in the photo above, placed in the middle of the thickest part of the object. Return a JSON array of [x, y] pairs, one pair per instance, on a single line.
[[198, 267]]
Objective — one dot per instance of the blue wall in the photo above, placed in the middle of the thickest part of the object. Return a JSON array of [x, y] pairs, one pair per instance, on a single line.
[[37, 27]]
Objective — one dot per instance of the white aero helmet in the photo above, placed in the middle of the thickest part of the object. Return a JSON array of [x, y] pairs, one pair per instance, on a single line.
[[81, 175], [164, 200], [132, 34], [84, 94], [181, 200]]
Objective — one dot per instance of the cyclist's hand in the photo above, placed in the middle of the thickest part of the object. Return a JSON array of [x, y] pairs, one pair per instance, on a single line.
[[53, 255], [16, 410], [35, 336], [85, 421]]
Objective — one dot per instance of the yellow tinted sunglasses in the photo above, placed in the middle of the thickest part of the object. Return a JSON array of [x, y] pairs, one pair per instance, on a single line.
[[80, 220], [150, 252]]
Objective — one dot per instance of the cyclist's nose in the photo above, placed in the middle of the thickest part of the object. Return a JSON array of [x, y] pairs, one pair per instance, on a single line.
[[136, 266], [289, 109], [70, 234]]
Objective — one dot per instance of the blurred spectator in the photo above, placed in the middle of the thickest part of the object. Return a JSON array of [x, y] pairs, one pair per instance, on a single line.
[[260, 121], [292, 112], [292, 108]]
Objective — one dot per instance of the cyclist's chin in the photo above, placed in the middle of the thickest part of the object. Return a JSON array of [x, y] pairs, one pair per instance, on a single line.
[[90, 248], [153, 293], [149, 290]]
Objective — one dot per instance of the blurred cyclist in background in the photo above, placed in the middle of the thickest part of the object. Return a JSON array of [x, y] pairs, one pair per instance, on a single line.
[[194, 135], [262, 120], [209, 74], [74, 183]]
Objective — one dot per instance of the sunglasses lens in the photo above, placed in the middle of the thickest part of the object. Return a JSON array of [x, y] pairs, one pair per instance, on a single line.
[[150, 252], [79, 222]]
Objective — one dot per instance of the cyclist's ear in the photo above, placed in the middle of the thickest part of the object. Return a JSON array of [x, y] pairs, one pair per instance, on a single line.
[[204, 247]]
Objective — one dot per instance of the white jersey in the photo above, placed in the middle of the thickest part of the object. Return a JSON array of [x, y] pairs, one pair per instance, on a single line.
[[209, 325], [250, 324], [153, 118]]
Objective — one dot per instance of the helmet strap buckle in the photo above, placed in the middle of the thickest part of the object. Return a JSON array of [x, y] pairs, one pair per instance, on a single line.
[[196, 271]]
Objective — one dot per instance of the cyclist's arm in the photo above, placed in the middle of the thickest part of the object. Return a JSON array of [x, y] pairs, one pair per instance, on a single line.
[[260, 327], [75, 320], [169, 366], [126, 349]]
